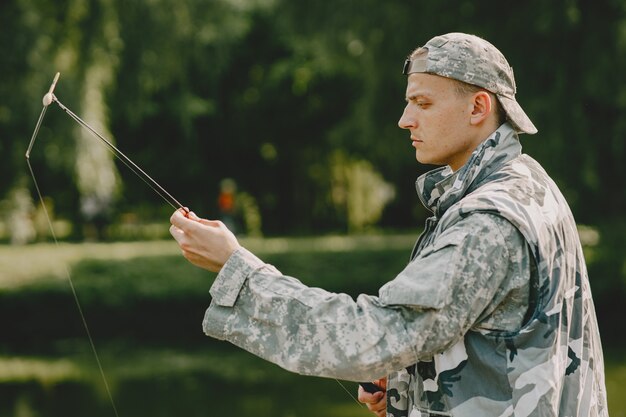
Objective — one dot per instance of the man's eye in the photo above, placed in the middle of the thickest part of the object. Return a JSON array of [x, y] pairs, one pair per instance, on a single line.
[[423, 104]]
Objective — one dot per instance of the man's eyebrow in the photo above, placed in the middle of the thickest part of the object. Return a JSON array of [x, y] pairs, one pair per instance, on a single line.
[[416, 96]]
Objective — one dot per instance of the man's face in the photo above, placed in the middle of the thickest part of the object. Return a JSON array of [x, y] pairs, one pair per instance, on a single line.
[[439, 120]]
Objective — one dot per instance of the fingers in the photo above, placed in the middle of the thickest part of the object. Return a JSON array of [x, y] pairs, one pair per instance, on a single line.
[[367, 398], [382, 383], [205, 243], [212, 223], [176, 233], [179, 219], [181, 216], [185, 219], [376, 402]]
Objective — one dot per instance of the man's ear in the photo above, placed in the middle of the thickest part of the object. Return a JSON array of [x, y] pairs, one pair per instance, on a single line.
[[483, 105]]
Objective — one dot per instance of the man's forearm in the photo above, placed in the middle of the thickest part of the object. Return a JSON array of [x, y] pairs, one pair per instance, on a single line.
[[307, 330]]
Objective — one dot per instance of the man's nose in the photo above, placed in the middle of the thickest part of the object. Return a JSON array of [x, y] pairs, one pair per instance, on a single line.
[[406, 120]]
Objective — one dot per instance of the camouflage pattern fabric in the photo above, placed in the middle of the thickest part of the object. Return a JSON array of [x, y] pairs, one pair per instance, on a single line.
[[451, 329], [553, 365], [475, 61]]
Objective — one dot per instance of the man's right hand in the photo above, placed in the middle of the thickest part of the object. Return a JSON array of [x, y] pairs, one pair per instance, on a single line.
[[205, 243], [377, 402]]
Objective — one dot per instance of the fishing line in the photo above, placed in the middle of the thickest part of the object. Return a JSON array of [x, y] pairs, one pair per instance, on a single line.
[[50, 98], [349, 393], [56, 242], [156, 187]]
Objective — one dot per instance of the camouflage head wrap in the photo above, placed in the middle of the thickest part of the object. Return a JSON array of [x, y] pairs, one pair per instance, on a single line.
[[475, 61]]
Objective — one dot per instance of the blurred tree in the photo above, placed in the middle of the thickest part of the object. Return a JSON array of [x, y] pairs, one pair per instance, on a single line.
[[96, 174], [266, 91], [78, 38]]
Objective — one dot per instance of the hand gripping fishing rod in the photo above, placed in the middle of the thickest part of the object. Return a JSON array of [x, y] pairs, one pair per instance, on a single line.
[[47, 100], [50, 98]]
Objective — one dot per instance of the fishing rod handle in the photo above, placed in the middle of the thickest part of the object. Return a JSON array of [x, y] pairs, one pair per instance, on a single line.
[[370, 387]]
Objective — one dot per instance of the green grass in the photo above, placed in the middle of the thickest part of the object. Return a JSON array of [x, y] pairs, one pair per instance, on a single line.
[[23, 265], [144, 303], [615, 369], [116, 274]]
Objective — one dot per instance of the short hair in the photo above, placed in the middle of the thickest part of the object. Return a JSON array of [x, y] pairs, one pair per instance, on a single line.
[[464, 89]]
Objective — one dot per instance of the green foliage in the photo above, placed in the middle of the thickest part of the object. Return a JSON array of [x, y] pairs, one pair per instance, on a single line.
[[269, 92], [607, 272], [266, 91], [148, 291]]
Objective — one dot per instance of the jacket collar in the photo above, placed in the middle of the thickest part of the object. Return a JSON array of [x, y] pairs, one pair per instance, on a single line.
[[440, 188]]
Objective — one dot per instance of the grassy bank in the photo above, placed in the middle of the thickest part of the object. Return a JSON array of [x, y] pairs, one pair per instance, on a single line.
[[144, 303], [147, 290]]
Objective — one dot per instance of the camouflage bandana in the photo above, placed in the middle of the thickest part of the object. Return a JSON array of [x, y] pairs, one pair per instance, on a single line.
[[475, 61]]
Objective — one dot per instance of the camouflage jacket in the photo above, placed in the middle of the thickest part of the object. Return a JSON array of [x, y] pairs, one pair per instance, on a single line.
[[451, 330]]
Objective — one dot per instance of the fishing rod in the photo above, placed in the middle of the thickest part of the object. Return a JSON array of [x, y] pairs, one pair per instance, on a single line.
[[50, 98], [47, 100]]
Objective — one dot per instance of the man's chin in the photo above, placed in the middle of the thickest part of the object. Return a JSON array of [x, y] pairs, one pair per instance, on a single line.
[[423, 159]]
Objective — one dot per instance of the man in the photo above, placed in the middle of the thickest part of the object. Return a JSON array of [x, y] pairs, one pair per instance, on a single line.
[[492, 316]]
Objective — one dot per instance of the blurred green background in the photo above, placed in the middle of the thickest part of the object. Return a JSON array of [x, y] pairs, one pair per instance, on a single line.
[[280, 118]]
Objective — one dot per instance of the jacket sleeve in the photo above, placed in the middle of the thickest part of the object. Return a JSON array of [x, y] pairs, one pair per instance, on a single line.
[[429, 306]]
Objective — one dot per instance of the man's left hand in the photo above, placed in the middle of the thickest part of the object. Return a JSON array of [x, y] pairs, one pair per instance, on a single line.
[[376, 402]]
